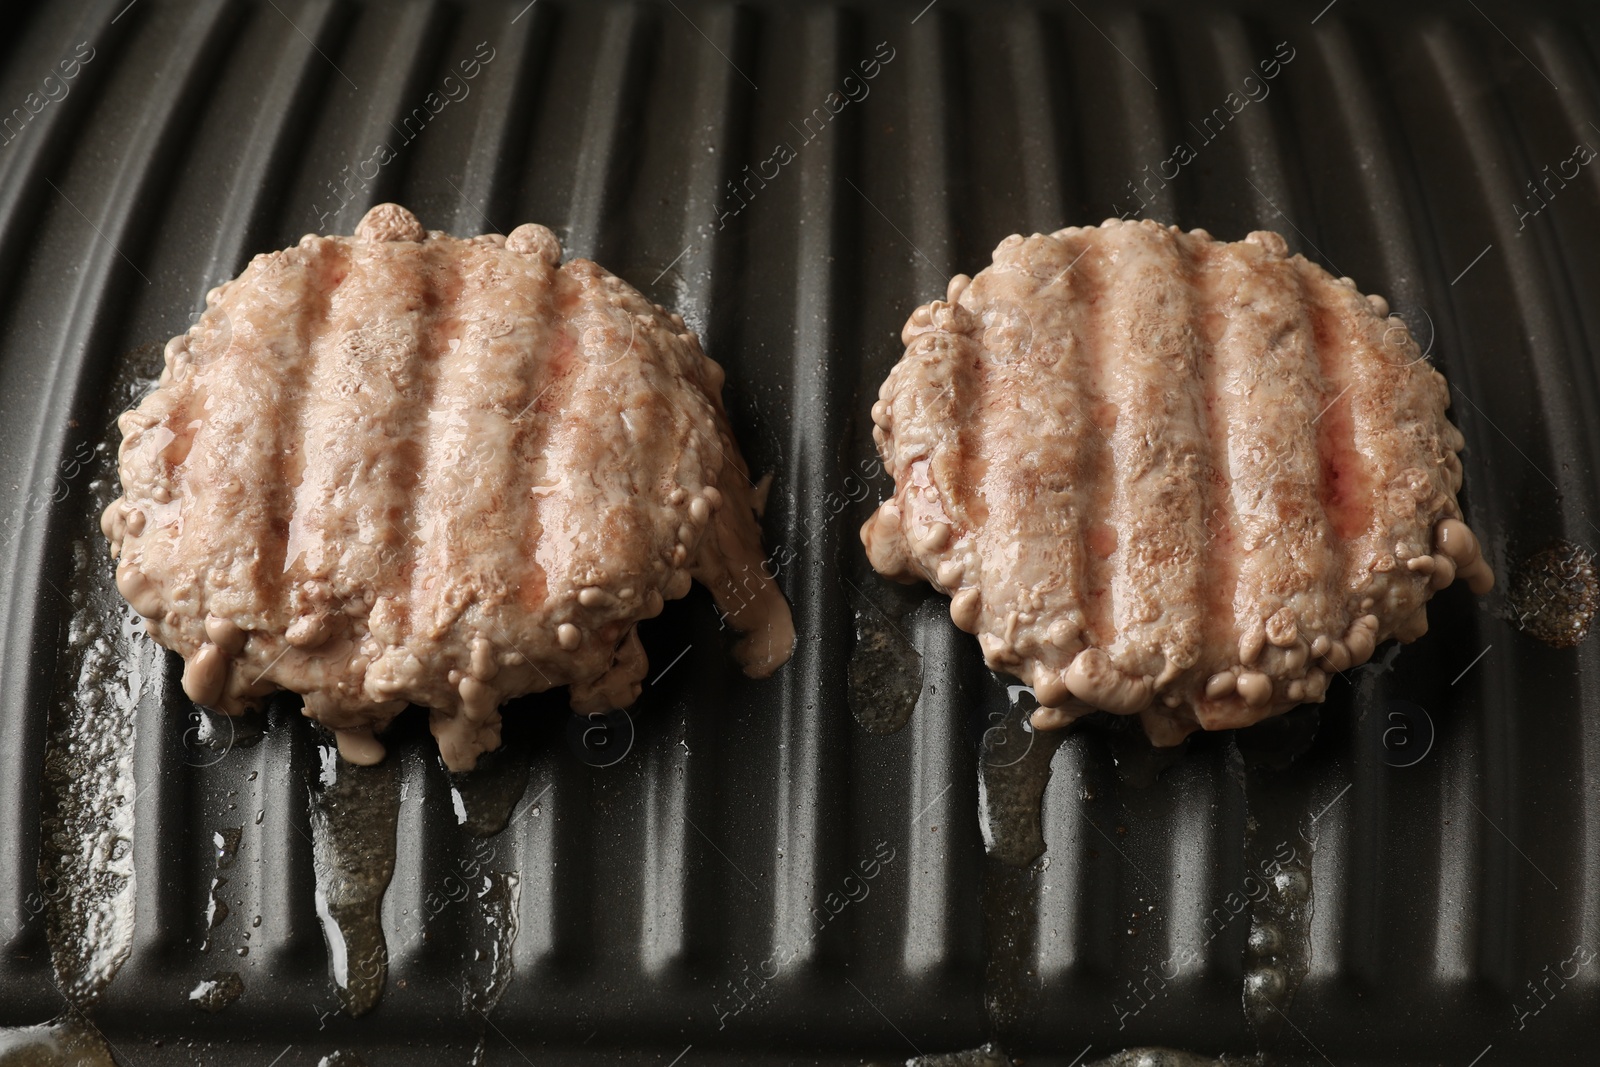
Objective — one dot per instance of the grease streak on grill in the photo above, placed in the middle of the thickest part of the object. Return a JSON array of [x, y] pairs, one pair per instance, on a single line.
[[353, 815]]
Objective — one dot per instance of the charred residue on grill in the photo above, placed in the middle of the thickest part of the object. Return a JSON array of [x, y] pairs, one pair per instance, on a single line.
[[1554, 594], [885, 676], [354, 814]]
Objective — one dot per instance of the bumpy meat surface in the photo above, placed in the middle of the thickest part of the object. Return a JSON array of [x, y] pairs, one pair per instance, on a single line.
[[1164, 475], [402, 467]]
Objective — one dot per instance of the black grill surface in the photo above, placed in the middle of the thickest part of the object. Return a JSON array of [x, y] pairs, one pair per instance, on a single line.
[[1409, 875]]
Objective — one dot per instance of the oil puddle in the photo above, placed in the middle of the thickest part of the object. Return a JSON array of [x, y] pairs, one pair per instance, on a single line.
[[485, 796], [499, 897], [484, 799], [885, 674], [217, 992], [86, 857], [1013, 770], [68, 1042], [1554, 593], [354, 812], [986, 1055]]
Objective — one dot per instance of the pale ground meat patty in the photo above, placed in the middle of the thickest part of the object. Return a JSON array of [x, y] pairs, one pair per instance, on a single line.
[[405, 468], [1169, 476]]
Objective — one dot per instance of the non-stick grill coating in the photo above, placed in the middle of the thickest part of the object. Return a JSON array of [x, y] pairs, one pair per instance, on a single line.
[[657, 896]]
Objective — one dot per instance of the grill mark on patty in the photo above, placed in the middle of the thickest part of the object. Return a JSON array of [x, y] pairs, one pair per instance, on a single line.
[[354, 388], [270, 473], [572, 426], [548, 358], [1361, 429], [1218, 409], [1070, 440], [427, 593], [1100, 604]]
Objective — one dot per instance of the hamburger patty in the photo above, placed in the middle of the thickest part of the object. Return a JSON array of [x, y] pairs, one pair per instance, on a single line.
[[1164, 475], [402, 467]]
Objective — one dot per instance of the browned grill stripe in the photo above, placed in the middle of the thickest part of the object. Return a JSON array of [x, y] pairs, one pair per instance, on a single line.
[[339, 397], [1343, 476], [1048, 426], [367, 381], [1161, 455], [1230, 409], [567, 419]]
